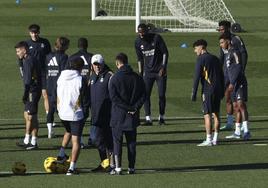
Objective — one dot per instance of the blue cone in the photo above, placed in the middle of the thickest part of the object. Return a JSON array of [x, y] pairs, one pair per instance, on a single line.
[[51, 8], [184, 45]]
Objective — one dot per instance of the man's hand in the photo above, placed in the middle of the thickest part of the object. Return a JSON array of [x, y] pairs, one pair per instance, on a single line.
[[231, 88], [162, 72]]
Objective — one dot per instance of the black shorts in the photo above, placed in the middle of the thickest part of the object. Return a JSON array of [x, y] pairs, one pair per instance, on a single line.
[[31, 105], [74, 127], [211, 103], [240, 93]]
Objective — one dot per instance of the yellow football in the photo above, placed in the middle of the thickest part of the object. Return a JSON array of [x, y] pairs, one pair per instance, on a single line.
[[50, 164]]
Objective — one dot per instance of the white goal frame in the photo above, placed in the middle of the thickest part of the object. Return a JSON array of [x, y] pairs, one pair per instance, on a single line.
[[176, 16]]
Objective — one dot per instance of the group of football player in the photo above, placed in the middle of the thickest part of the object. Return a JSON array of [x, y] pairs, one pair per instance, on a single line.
[[72, 85]]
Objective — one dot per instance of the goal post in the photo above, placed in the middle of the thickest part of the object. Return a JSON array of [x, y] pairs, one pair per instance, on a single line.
[[172, 15]]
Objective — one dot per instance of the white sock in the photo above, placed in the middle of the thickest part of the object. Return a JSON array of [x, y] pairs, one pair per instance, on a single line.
[[161, 117], [215, 137], [34, 140], [72, 165], [230, 119], [49, 127], [62, 152], [118, 169], [148, 118], [245, 126], [26, 139], [237, 128], [208, 137]]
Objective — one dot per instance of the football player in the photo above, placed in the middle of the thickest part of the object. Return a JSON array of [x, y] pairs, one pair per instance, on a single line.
[[152, 55], [208, 71]]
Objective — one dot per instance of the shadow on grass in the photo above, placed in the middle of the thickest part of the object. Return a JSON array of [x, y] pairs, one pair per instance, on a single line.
[[252, 166], [172, 132]]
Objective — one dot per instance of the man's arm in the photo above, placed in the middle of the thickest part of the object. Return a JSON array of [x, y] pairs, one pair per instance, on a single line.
[[140, 58], [239, 45], [197, 77], [163, 49], [20, 64], [27, 79], [141, 91], [234, 69]]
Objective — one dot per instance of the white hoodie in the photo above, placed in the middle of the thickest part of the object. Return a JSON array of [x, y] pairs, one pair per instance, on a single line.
[[68, 93]]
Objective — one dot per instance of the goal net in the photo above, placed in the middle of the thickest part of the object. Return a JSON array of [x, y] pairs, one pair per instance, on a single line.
[[173, 15]]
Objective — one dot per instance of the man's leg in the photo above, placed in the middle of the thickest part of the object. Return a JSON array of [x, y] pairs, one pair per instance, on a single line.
[[76, 132], [97, 137], [27, 128], [149, 82], [207, 121], [237, 132], [162, 86], [45, 97], [65, 141], [244, 116], [229, 111], [216, 118], [50, 116], [34, 128], [117, 144], [131, 137]]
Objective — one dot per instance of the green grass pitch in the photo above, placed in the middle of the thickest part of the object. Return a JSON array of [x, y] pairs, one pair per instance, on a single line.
[[167, 156]]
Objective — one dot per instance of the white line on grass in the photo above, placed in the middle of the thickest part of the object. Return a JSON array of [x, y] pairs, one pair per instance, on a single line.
[[260, 144]]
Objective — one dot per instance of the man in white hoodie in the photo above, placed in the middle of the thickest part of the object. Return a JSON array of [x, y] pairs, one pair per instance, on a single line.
[[71, 102]]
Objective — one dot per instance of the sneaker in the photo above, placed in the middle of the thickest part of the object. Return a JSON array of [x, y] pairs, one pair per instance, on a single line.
[[71, 172], [161, 121], [233, 136], [246, 136], [101, 169], [148, 123], [214, 142], [54, 124], [21, 144], [31, 146], [114, 172], [205, 143], [82, 145], [62, 159], [227, 127], [131, 171]]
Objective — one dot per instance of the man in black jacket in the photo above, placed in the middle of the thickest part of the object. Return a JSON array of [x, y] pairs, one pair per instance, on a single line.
[[208, 71], [127, 93], [39, 47], [152, 55], [32, 92], [56, 62], [100, 103], [239, 45]]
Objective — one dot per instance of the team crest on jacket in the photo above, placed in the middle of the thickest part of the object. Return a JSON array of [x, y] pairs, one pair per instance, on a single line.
[[142, 47], [42, 45], [92, 82], [152, 43], [101, 80]]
